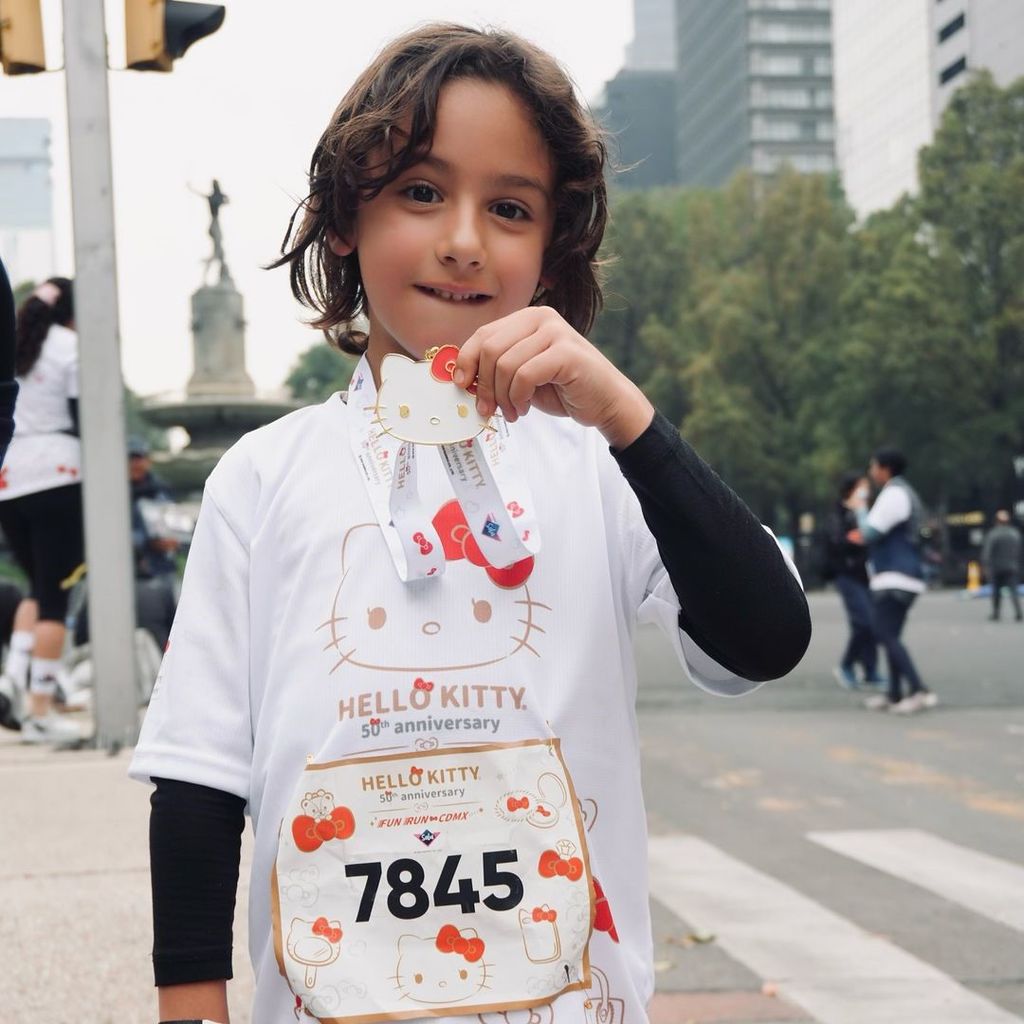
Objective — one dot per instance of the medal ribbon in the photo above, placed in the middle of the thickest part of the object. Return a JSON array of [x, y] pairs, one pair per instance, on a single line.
[[485, 475]]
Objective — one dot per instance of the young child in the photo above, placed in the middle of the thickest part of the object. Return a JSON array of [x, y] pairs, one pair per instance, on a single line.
[[432, 723]]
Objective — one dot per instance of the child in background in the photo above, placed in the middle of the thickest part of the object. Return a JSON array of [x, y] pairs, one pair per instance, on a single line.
[[441, 763]]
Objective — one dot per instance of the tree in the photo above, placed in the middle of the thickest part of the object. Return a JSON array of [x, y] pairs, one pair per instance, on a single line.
[[972, 203], [318, 373], [767, 324]]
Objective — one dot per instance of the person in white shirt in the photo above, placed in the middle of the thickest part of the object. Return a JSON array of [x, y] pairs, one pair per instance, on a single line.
[[430, 716], [891, 531], [41, 510]]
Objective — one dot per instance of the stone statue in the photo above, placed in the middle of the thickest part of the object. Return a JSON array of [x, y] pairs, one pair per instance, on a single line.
[[216, 200]]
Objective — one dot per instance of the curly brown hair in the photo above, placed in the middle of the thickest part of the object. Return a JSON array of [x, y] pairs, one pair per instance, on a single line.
[[385, 125]]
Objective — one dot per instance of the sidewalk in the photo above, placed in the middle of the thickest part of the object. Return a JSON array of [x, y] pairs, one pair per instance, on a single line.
[[74, 886]]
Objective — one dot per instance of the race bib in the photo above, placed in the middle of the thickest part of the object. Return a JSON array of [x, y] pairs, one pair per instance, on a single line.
[[434, 883]]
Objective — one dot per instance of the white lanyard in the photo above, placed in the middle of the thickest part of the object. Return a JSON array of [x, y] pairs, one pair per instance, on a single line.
[[497, 526]]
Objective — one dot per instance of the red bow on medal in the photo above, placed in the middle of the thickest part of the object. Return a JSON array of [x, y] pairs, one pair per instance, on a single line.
[[553, 863], [310, 834], [458, 542], [544, 913], [442, 366], [450, 940], [422, 684], [321, 926], [515, 805]]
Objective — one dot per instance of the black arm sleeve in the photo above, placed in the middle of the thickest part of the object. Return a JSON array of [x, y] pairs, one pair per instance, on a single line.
[[75, 431], [8, 386], [7, 317], [195, 838], [739, 602]]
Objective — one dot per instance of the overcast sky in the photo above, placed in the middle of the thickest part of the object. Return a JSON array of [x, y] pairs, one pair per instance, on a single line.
[[246, 105]]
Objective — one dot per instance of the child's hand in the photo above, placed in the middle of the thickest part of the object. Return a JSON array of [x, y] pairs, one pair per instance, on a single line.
[[534, 358]]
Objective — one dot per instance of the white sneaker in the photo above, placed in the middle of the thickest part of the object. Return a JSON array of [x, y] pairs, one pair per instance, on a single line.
[[72, 694], [878, 702], [909, 705], [12, 703], [49, 728], [928, 699]]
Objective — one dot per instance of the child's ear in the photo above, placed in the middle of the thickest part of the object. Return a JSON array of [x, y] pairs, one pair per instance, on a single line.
[[339, 246]]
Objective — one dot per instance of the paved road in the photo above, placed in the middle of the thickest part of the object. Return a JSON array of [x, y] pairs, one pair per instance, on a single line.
[[859, 866], [810, 861]]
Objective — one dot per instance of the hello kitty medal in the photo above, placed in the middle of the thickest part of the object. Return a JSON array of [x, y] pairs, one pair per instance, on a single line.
[[419, 404]]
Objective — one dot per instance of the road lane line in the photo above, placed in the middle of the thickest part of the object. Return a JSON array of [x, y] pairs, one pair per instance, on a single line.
[[836, 971], [987, 885]]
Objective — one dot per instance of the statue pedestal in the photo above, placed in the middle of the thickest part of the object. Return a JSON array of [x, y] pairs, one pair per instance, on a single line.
[[218, 343]]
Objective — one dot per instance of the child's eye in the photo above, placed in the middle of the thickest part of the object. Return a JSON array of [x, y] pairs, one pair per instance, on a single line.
[[510, 211], [421, 193]]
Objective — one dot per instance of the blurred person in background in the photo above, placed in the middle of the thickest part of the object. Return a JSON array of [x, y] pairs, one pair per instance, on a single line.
[[891, 531], [153, 551], [41, 509], [846, 566], [1000, 557]]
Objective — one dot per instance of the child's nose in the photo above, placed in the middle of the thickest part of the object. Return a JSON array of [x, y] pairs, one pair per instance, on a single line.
[[462, 243]]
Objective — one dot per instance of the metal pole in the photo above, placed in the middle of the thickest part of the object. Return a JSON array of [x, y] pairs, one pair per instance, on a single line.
[[101, 405]]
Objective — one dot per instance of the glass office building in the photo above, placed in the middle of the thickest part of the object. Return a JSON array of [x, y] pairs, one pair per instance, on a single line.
[[753, 88], [897, 65]]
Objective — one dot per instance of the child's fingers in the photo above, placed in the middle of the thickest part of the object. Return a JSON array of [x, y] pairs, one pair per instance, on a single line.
[[486, 347], [506, 371], [547, 366]]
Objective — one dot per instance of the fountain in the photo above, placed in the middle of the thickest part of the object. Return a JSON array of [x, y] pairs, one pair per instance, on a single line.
[[220, 402]]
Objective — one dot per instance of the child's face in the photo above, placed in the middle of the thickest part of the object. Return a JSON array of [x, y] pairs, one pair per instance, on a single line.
[[458, 240]]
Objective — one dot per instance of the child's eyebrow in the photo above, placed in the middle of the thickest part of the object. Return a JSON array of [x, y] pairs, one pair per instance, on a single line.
[[499, 180]]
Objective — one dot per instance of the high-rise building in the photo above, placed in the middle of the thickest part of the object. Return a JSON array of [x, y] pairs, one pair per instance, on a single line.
[[26, 218], [639, 113], [896, 67], [654, 41], [638, 107], [754, 88]]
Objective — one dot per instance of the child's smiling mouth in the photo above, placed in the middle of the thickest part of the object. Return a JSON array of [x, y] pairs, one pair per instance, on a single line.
[[452, 296]]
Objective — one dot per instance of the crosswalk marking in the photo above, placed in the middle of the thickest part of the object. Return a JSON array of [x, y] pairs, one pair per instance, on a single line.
[[836, 971], [987, 885]]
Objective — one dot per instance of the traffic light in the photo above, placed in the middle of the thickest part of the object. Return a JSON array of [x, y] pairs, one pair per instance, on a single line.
[[157, 32], [21, 37]]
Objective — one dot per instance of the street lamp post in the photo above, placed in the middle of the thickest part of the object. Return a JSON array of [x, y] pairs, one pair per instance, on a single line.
[[105, 464]]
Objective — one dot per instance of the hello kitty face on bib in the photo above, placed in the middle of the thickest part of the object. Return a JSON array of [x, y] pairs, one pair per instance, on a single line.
[[419, 401], [445, 968], [472, 616]]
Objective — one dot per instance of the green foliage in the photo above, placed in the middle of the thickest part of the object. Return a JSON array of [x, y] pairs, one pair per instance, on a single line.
[[318, 373], [789, 343]]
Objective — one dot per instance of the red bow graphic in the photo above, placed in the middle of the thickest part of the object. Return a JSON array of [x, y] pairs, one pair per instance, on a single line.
[[423, 684], [514, 805], [458, 542], [442, 366], [310, 834], [374, 721], [542, 914], [552, 863], [450, 940], [321, 926]]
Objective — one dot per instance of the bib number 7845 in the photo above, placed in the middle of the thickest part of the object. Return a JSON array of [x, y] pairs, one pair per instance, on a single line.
[[408, 899]]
